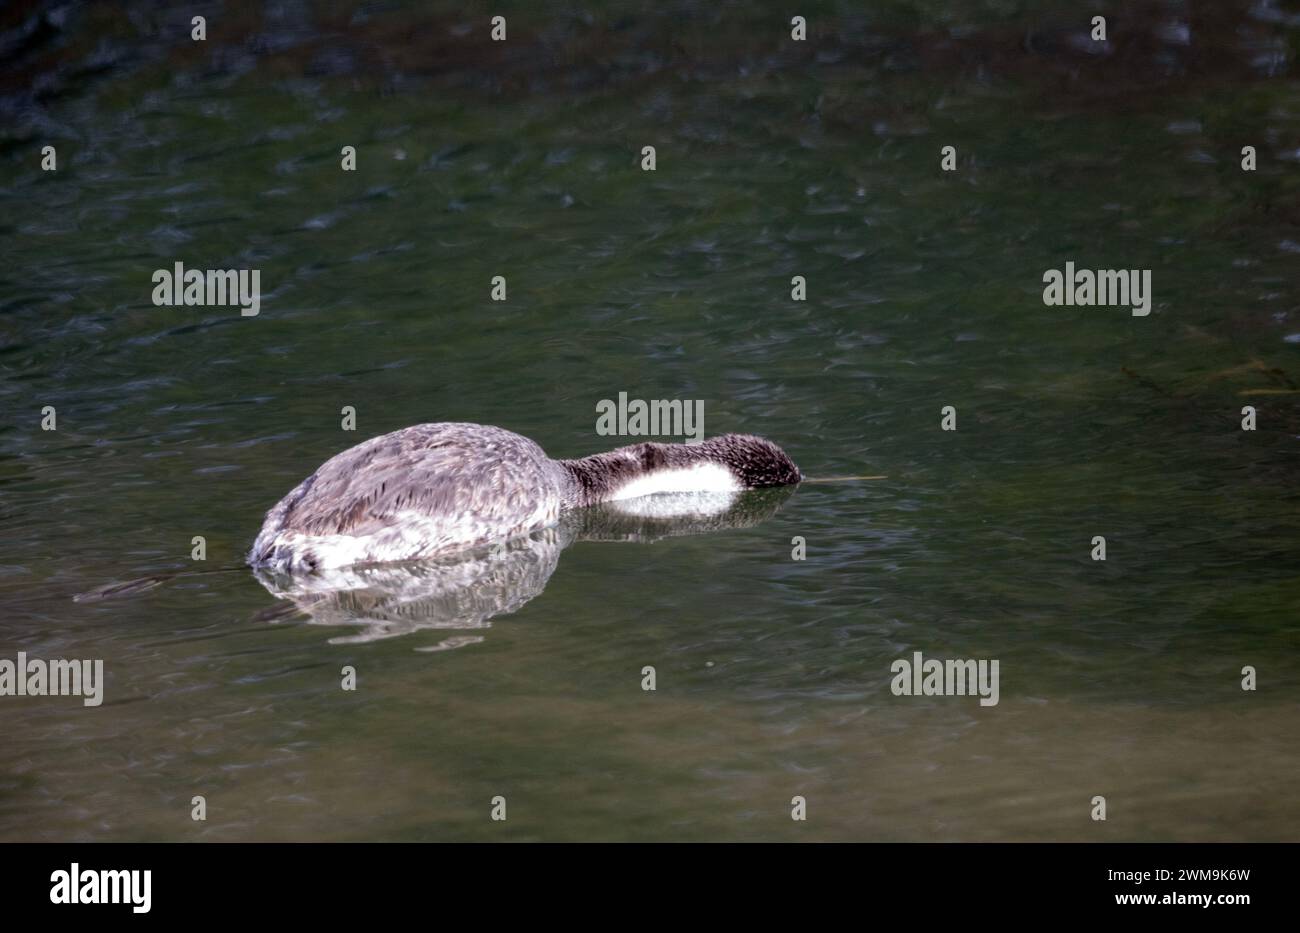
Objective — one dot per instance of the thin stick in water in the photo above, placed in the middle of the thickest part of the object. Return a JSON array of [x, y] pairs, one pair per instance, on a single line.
[[840, 479]]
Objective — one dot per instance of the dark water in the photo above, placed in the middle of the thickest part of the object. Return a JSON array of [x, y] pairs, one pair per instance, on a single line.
[[775, 159]]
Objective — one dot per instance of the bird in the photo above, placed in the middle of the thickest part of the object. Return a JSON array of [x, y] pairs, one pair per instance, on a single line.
[[435, 489]]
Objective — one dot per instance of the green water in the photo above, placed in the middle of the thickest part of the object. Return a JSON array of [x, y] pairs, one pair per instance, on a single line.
[[1120, 679]]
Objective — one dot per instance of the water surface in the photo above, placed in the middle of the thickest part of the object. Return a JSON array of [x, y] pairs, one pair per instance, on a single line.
[[1119, 678]]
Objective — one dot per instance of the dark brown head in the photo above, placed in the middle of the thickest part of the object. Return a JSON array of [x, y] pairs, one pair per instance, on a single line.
[[757, 463]]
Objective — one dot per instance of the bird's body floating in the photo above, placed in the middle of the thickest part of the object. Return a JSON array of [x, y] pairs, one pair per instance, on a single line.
[[434, 489]]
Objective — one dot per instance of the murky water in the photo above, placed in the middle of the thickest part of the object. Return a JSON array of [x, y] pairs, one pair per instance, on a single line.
[[523, 678]]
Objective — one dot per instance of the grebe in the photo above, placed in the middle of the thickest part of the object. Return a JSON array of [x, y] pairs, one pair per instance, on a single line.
[[434, 489]]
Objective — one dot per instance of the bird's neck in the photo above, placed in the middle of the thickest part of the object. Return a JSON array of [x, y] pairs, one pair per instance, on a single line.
[[601, 477]]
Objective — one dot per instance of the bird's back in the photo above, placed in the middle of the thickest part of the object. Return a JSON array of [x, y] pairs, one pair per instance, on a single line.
[[415, 493]]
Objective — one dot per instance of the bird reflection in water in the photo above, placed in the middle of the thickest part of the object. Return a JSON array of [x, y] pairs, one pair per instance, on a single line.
[[463, 595]]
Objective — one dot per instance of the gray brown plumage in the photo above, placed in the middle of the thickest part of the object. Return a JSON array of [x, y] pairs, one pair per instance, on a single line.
[[434, 489]]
